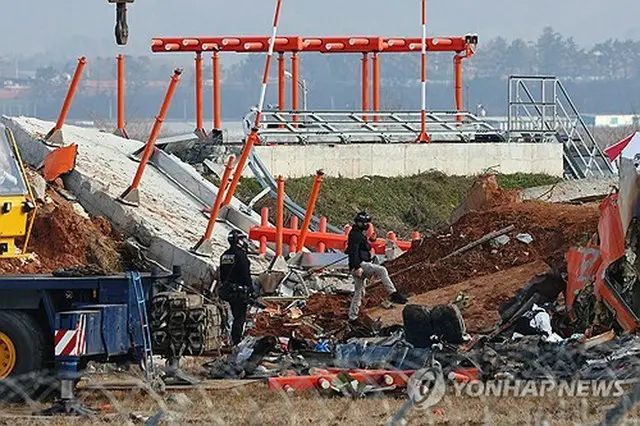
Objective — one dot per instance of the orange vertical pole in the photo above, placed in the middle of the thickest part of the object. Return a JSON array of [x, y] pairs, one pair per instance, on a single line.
[[376, 84], [457, 61], [215, 58], [55, 135], [130, 196], [311, 205], [295, 76], [120, 130], [264, 222], [198, 75], [279, 215], [365, 84], [281, 83], [215, 210], [323, 229], [293, 242]]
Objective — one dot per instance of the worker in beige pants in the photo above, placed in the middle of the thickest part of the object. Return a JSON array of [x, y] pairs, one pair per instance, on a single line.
[[362, 268]]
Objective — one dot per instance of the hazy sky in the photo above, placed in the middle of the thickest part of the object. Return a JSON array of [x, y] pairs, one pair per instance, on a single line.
[[73, 27]]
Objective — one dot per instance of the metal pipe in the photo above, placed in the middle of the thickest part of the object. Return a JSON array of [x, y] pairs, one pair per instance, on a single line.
[[279, 215], [215, 209], [376, 84], [457, 61], [264, 222], [424, 137], [66, 105], [155, 131], [253, 138], [293, 241], [217, 112], [365, 84], [322, 247], [281, 82], [198, 76], [295, 76], [311, 205], [120, 95]]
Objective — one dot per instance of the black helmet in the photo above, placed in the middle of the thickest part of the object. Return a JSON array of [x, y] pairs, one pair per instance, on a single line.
[[362, 217], [235, 236]]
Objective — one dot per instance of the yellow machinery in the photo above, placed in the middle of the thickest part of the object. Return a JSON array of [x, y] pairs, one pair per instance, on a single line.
[[17, 206]]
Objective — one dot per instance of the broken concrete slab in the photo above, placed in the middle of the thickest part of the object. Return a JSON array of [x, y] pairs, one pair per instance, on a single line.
[[169, 221], [568, 190]]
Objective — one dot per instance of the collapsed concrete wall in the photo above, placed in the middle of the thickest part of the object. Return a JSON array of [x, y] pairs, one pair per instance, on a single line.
[[357, 160], [169, 220]]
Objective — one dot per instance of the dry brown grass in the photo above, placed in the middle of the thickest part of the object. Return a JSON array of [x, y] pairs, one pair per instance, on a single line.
[[257, 405]]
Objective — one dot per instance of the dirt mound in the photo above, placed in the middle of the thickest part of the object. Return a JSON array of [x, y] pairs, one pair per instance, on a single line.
[[62, 238], [485, 194], [553, 227]]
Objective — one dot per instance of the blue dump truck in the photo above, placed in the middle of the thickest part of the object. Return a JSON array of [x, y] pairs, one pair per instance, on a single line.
[[51, 326]]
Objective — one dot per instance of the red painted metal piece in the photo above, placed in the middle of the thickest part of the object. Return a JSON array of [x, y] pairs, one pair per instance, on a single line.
[[281, 83], [245, 44], [376, 84], [295, 76], [293, 241], [311, 205], [264, 222], [120, 130], [217, 105], [457, 61], [217, 204], [198, 77], [66, 105], [322, 247], [378, 377], [279, 214], [151, 142], [314, 239], [365, 84]]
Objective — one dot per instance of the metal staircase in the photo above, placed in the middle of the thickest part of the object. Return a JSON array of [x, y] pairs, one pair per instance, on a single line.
[[540, 110]]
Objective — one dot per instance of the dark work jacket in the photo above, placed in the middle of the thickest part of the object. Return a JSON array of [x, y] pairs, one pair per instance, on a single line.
[[358, 248], [235, 269]]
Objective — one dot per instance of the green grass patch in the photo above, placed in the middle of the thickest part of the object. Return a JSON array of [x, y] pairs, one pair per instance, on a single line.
[[400, 204]]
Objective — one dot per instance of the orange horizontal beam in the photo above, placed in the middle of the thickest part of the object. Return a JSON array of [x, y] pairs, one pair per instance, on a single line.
[[330, 240], [354, 44], [372, 377]]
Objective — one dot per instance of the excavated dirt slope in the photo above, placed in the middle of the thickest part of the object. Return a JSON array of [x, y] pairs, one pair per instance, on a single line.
[[62, 238]]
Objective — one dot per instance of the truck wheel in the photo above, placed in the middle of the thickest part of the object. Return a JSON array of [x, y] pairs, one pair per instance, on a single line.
[[22, 355]]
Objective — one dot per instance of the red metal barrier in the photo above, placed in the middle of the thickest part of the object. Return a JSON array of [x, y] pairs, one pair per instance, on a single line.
[[120, 130], [311, 205], [131, 196], [324, 381], [203, 247], [314, 239], [54, 137]]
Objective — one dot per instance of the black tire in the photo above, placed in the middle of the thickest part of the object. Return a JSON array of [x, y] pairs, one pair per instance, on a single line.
[[448, 324], [29, 341], [418, 327]]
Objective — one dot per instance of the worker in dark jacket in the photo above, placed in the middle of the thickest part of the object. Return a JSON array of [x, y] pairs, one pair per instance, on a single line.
[[362, 267], [236, 286]]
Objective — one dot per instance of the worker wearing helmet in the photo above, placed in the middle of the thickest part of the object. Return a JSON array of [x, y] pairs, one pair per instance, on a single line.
[[362, 267], [236, 286]]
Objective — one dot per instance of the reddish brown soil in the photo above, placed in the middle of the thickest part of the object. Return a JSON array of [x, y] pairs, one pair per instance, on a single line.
[[485, 295], [61, 238]]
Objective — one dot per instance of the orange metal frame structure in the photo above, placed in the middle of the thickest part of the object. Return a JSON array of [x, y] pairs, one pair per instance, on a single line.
[[368, 47]]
